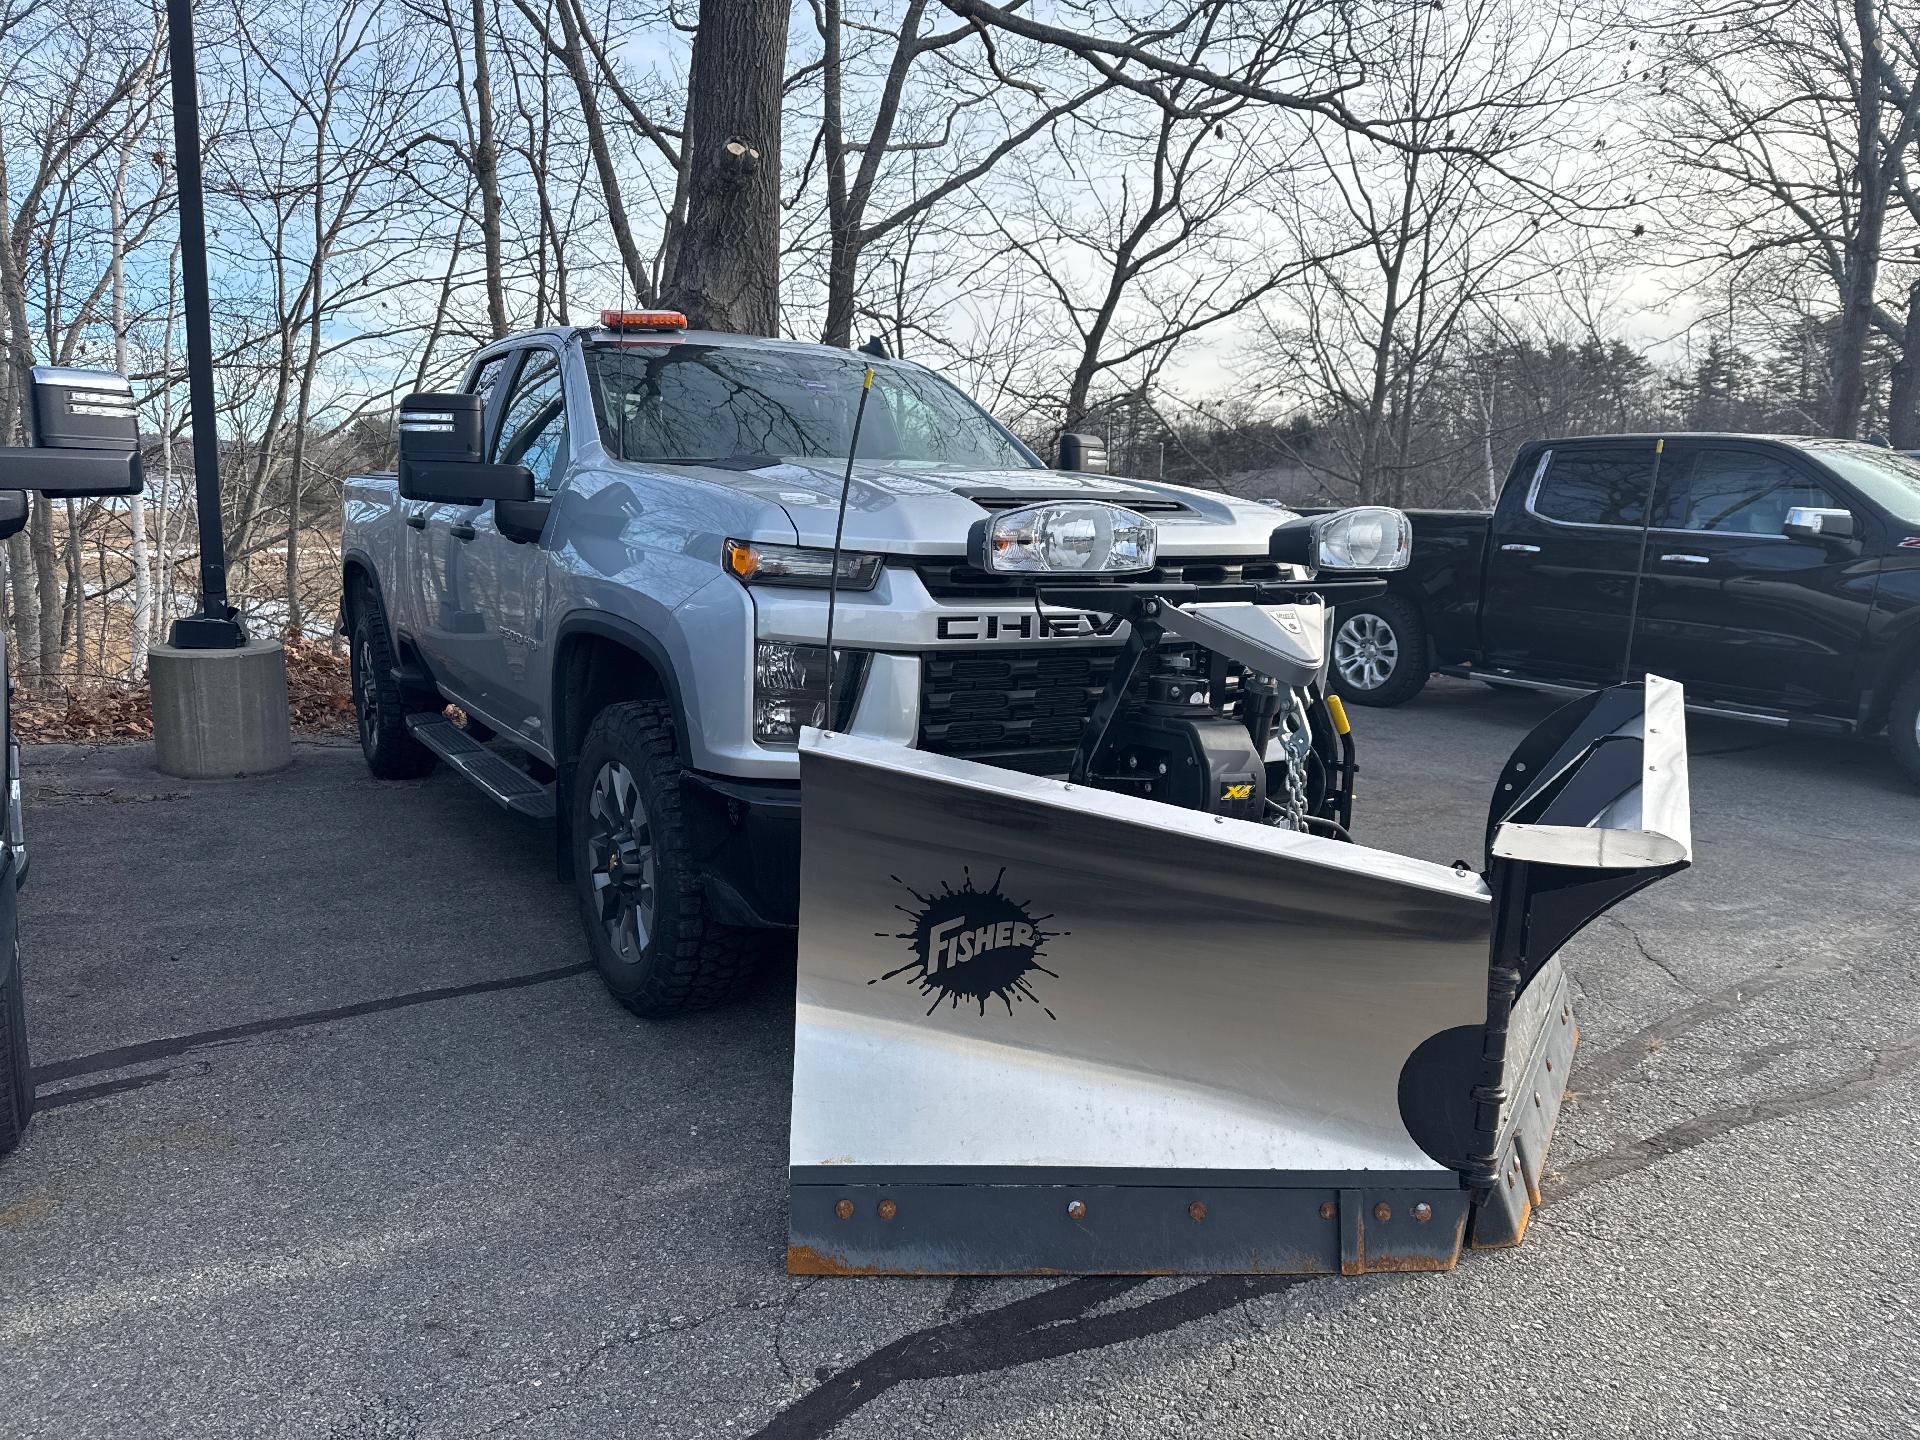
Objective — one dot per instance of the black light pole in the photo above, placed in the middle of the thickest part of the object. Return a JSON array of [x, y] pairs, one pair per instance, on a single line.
[[216, 626]]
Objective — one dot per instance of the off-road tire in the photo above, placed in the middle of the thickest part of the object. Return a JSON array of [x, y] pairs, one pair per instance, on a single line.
[[1407, 676], [1903, 727], [689, 961], [380, 710], [16, 1075]]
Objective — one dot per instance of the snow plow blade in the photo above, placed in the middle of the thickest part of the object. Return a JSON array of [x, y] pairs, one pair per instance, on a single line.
[[1045, 1029]]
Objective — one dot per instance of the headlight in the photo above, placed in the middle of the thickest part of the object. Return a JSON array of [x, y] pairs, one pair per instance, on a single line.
[[790, 689], [752, 563], [1367, 537], [1068, 537]]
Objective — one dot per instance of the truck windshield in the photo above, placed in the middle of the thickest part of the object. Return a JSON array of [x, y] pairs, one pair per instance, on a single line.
[[719, 403], [1888, 478]]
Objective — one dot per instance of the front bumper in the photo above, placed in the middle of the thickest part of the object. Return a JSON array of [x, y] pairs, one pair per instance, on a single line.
[[745, 836]]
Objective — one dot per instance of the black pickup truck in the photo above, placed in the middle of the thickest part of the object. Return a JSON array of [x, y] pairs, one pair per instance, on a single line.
[[1779, 580]]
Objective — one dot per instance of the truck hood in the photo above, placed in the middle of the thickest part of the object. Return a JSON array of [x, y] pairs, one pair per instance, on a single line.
[[908, 508]]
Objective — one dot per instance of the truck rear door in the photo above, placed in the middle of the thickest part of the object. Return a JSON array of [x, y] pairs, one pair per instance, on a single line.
[[1732, 607], [1561, 561]]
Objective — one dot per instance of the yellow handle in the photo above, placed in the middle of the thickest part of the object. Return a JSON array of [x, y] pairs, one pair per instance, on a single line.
[[1339, 714]]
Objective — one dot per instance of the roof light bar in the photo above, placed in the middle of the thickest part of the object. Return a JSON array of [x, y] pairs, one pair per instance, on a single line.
[[643, 320]]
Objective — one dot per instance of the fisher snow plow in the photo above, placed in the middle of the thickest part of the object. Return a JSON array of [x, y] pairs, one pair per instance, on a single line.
[[1057, 1026]]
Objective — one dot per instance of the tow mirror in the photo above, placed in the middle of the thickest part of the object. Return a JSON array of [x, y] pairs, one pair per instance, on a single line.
[[1085, 453], [1810, 522], [13, 513], [86, 438], [441, 442]]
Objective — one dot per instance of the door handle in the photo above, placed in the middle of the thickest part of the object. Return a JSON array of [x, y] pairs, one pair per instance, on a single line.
[[417, 520], [1685, 560], [460, 532], [1521, 549]]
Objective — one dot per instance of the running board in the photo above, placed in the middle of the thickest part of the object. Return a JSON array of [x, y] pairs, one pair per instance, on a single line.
[[1804, 724], [499, 779]]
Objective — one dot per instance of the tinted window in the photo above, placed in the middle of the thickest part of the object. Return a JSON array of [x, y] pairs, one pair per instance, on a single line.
[[533, 432], [488, 376], [684, 402], [1737, 492], [1595, 487]]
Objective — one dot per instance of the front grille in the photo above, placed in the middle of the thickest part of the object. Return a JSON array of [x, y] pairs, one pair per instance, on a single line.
[[1025, 708], [1009, 702], [958, 580]]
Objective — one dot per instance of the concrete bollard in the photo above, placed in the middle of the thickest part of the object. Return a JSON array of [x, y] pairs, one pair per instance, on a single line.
[[220, 713]]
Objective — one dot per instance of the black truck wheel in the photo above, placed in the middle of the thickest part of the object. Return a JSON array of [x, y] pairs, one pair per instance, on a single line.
[[1379, 652], [16, 1075], [392, 752], [641, 896], [1903, 727]]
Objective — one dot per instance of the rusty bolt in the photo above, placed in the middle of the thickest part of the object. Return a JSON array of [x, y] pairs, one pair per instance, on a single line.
[[1383, 1211], [1326, 1210], [1565, 1014], [1076, 1209], [888, 1209], [1423, 1212], [1509, 1182], [843, 1208], [1197, 1210]]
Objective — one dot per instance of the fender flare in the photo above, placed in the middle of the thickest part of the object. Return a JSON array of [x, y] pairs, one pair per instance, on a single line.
[[352, 562], [633, 637]]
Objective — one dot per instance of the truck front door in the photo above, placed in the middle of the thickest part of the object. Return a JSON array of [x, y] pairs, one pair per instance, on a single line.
[[508, 573], [439, 539], [1737, 610], [1561, 560]]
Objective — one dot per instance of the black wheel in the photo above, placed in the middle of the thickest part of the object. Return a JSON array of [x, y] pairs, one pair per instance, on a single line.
[[16, 1075], [1379, 652], [1903, 727], [641, 898], [392, 752]]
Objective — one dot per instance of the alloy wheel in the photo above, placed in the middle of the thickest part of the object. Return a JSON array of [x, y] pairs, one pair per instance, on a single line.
[[1365, 651], [620, 858]]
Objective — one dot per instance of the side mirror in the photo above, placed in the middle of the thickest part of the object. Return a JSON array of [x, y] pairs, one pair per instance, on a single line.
[[1085, 453], [86, 437], [13, 513], [441, 442], [1809, 522]]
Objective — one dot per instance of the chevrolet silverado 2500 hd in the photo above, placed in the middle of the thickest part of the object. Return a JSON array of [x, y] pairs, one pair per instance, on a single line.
[[611, 548]]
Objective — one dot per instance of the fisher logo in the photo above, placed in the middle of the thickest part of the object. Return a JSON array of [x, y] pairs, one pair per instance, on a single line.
[[974, 945]]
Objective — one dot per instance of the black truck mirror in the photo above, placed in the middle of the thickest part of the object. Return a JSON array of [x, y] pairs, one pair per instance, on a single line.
[[1085, 453], [442, 440], [1809, 522], [86, 437]]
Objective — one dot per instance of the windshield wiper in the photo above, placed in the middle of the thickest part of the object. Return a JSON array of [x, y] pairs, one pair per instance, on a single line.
[[719, 462]]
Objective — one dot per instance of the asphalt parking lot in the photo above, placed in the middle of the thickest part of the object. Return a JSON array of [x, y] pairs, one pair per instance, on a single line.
[[339, 1139]]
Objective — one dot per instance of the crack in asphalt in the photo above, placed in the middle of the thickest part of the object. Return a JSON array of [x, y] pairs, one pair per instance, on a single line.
[[1664, 966], [125, 1055]]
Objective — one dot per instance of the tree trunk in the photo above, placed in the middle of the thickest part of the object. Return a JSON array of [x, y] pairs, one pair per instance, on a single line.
[[486, 174], [726, 275], [1862, 263], [46, 581], [1903, 391], [136, 505]]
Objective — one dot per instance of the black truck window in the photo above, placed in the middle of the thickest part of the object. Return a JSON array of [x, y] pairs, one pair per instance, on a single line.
[[1737, 492], [1594, 487]]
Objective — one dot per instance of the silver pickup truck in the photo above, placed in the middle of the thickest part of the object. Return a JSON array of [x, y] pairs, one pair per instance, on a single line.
[[599, 590]]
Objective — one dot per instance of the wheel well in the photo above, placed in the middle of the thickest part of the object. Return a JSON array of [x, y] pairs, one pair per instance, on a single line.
[[591, 672], [1904, 661], [354, 574]]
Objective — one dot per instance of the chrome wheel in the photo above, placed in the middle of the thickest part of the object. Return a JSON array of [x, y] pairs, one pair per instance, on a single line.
[[620, 857], [1365, 651]]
